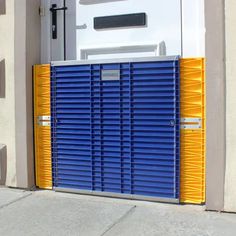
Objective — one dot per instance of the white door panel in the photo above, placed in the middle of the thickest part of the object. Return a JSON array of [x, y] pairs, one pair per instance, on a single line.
[[193, 28], [64, 46], [163, 17], [71, 30], [82, 41]]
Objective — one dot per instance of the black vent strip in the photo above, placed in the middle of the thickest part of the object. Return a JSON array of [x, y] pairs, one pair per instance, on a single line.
[[120, 21]]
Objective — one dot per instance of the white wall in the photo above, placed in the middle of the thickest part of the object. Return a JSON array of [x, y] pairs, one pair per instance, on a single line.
[[230, 172], [193, 28], [7, 104]]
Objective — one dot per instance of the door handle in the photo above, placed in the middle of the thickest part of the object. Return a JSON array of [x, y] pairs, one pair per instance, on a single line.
[[54, 9]]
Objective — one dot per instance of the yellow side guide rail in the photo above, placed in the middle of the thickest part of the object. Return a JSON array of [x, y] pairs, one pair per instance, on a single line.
[[42, 129], [193, 160]]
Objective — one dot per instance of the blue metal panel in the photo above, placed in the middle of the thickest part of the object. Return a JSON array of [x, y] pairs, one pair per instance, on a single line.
[[119, 136]]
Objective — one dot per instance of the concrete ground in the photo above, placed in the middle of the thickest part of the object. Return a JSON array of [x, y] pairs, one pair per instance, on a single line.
[[49, 213]]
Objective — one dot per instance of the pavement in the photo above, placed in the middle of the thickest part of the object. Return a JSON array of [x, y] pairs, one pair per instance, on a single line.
[[52, 213]]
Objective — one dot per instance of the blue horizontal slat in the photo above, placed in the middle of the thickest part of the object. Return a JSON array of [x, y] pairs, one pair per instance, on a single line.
[[117, 136]]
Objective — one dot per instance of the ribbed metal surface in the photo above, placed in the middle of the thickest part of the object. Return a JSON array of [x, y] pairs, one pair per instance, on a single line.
[[193, 141], [42, 134], [118, 136]]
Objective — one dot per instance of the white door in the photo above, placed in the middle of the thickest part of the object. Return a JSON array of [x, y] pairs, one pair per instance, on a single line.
[[163, 27], [58, 40], [76, 37]]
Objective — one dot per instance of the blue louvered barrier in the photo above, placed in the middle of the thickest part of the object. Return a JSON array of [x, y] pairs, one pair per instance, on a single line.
[[115, 127]]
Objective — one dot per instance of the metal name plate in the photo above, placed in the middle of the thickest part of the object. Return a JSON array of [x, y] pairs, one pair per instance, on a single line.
[[110, 74]]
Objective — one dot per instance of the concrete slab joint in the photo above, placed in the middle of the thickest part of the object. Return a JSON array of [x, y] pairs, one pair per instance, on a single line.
[[3, 164]]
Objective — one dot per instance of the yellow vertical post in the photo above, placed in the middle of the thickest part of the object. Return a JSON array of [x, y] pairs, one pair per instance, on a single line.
[[42, 130], [192, 104]]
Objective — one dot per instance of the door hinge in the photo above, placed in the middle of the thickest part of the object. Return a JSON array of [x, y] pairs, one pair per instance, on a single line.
[[42, 11]]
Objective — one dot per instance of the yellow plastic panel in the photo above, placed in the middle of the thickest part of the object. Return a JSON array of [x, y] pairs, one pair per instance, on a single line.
[[42, 126], [192, 176]]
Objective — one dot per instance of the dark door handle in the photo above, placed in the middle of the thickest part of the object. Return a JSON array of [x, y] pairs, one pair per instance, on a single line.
[[58, 9], [54, 10]]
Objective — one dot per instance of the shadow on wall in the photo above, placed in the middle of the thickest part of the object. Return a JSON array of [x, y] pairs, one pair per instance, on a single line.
[[2, 78], [2, 7], [3, 164]]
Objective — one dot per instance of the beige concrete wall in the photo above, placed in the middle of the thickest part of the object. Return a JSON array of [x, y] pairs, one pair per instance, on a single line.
[[27, 53], [215, 104], [33, 51], [7, 104], [230, 174], [20, 47]]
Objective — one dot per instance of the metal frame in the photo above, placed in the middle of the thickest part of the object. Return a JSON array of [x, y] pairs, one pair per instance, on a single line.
[[116, 61], [112, 61], [117, 195]]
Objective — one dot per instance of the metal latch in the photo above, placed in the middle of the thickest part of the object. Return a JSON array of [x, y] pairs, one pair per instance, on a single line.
[[191, 123], [44, 120]]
